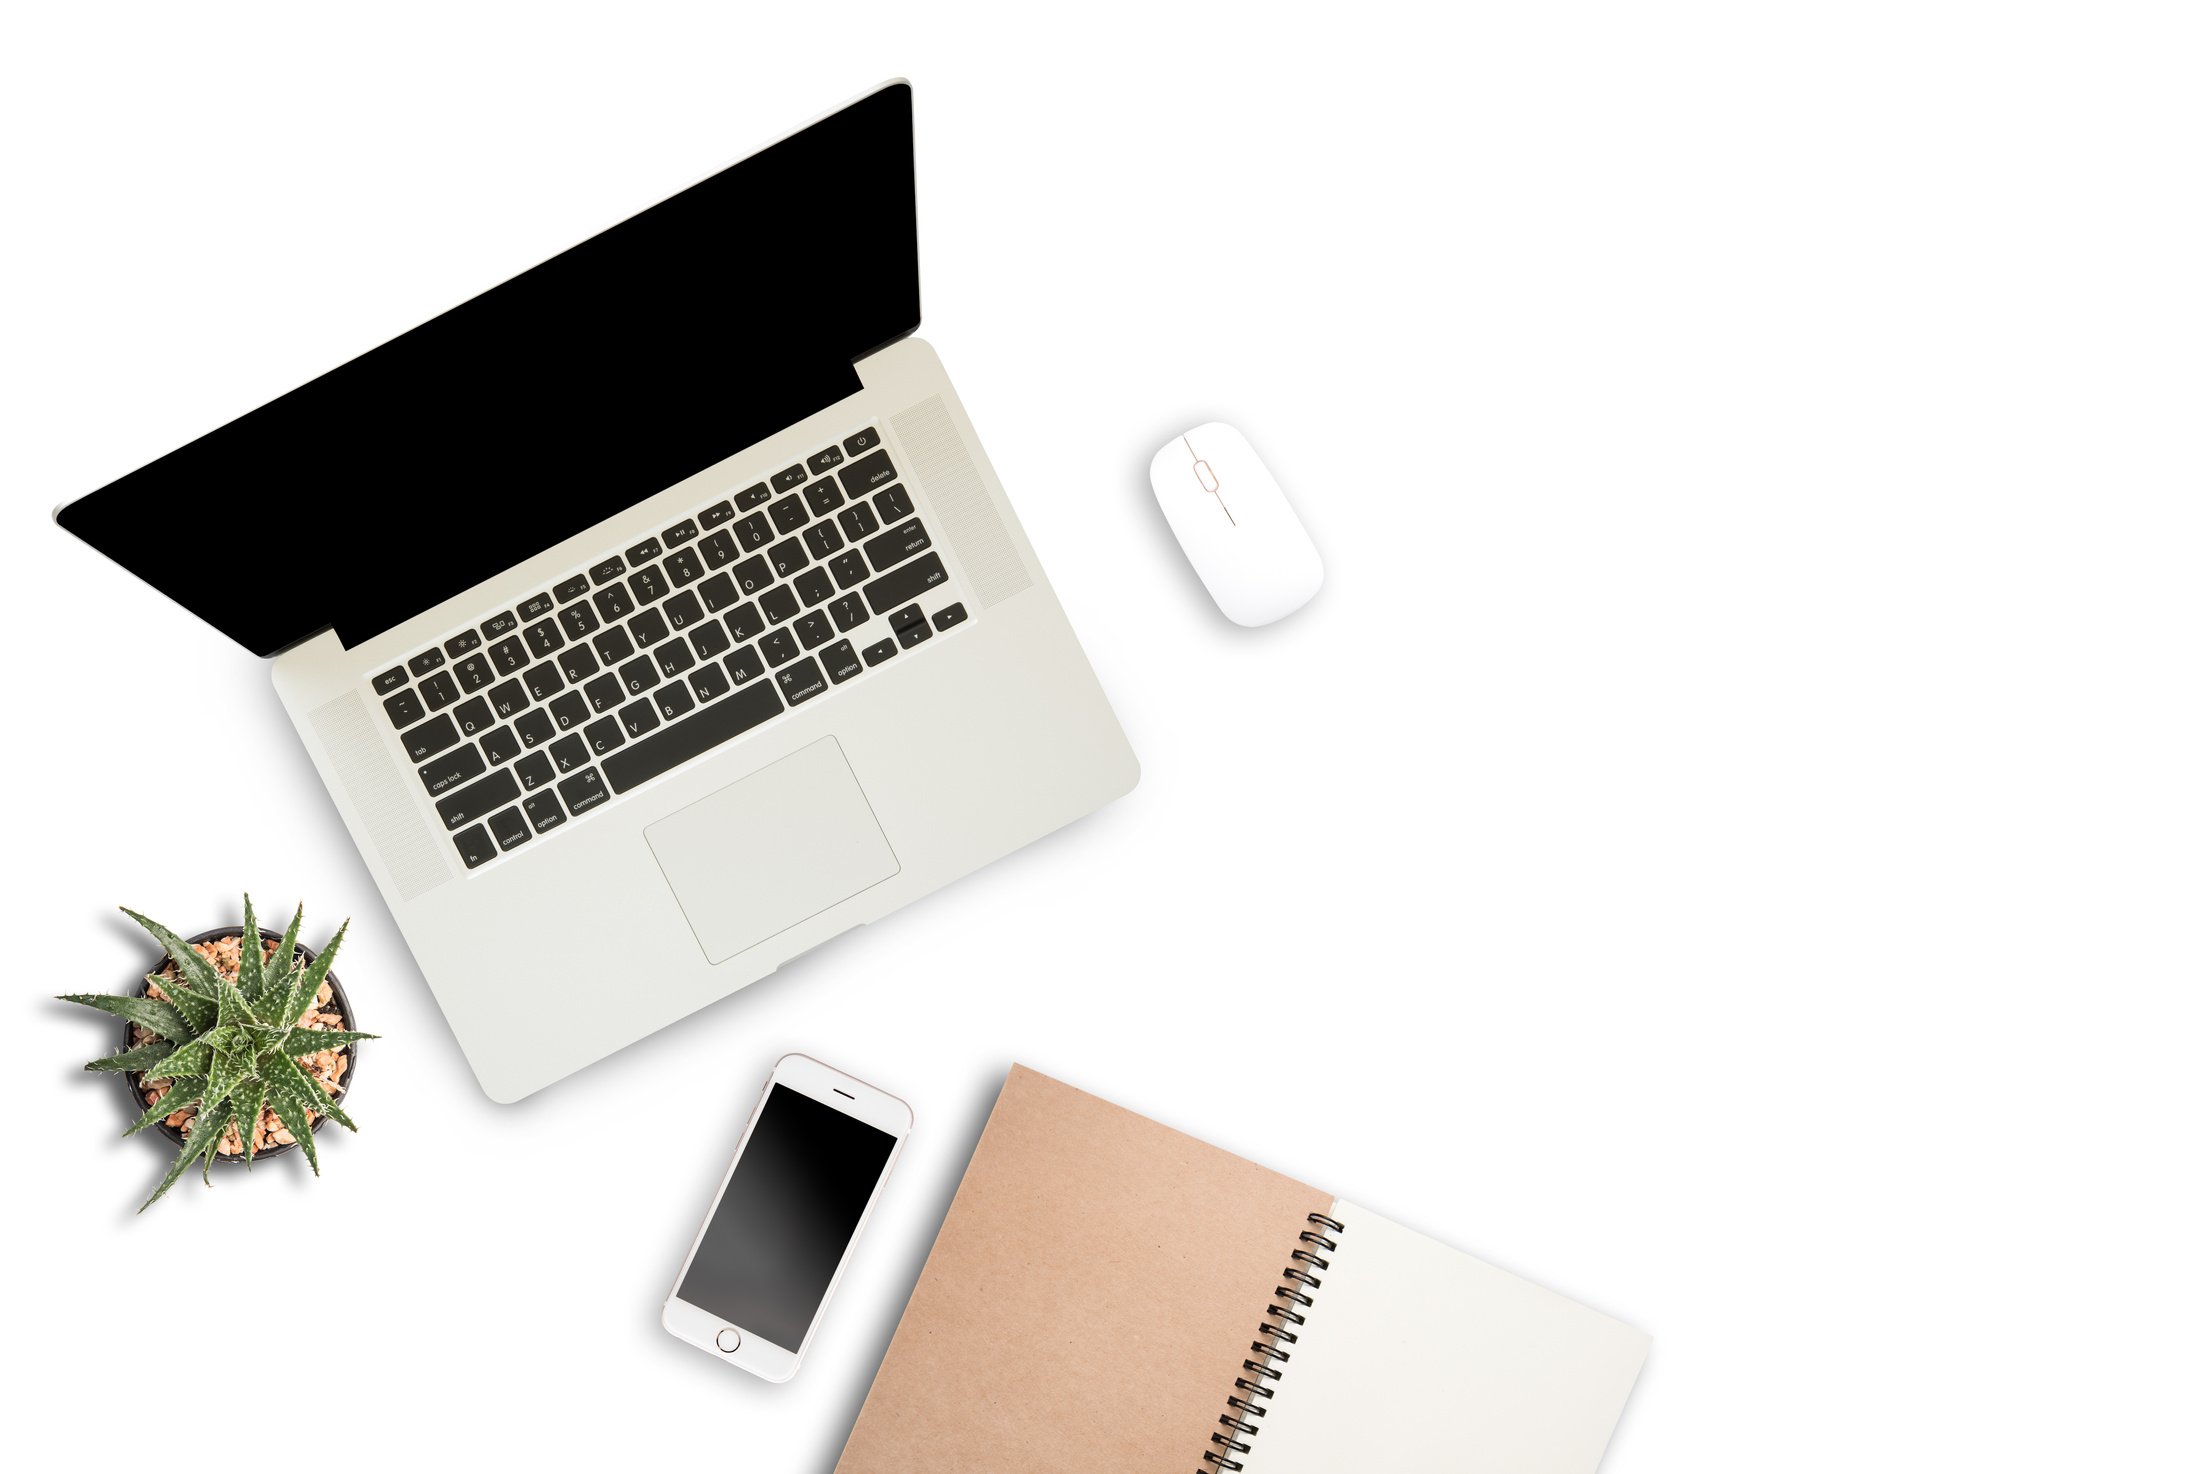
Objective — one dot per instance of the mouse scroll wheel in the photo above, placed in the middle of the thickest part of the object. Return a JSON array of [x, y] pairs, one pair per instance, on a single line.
[[1205, 476]]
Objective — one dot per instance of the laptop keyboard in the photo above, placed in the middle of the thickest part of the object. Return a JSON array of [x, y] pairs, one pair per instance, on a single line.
[[658, 653]]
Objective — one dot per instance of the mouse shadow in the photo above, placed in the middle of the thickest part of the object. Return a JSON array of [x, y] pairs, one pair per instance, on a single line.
[[980, 1102]]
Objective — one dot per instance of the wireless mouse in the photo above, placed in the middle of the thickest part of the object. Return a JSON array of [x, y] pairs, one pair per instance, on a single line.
[[1246, 542]]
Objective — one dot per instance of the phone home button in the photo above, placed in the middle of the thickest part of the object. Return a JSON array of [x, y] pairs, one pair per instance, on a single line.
[[728, 1340]]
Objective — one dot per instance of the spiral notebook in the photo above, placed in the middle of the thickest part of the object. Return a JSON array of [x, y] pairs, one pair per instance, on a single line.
[[1108, 1294]]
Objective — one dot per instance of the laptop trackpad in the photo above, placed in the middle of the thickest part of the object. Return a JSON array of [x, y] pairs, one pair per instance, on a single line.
[[766, 852]]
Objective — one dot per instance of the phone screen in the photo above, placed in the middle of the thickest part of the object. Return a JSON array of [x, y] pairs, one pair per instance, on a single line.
[[785, 1218]]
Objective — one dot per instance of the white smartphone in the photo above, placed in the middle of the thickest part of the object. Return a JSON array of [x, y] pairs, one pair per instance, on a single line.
[[806, 1175]]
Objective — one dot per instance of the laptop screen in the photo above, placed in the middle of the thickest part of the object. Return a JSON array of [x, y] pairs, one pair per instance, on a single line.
[[519, 418]]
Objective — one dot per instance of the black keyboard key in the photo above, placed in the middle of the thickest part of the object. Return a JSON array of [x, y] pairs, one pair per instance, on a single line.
[[509, 655], [858, 521], [430, 738], [713, 725], [716, 514], [788, 514], [788, 477], [744, 664], [543, 638], [438, 692], [841, 661], [754, 532], [709, 639], [447, 771], [613, 602], [462, 643], [649, 628], [571, 588], [475, 846], [500, 746], [814, 586], [912, 634], [604, 735], [509, 828], [752, 498], [578, 620], [473, 715], [674, 658], [473, 672], [578, 664], [613, 646], [813, 630], [478, 797], [822, 539], [823, 497], [825, 461], [745, 621], [682, 532], [605, 693], [404, 709], [896, 545], [880, 651], [391, 680], [801, 682], [583, 792], [849, 568], [949, 615], [534, 727], [910, 614], [570, 753], [649, 584], [684, 567], [752, 575], [709, 681], [606, 572], [638, 676], [905, 584], [849, 612], [569, 710], [508, 699], [544, 681], [787, 556], [426, 662], [868, 473], [778, 603], [682, 610], [718, 593], [675, 700], [644, 552], [536, 606], [638, 717], [534, 770], [499, 625], [719, 550], [863, 442], [779, 646], [544, 812], [894, 504]]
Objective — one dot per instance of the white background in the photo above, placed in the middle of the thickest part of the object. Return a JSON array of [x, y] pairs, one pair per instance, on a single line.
[[1727, 842]]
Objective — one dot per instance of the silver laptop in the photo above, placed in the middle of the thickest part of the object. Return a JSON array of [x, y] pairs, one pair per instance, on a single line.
[[652, 617]]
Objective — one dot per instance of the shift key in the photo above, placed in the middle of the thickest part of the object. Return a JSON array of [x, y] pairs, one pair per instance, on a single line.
[[478, 800], [906, 584]]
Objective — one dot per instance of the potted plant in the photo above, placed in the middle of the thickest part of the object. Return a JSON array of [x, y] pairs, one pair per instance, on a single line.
[[234, 1049]]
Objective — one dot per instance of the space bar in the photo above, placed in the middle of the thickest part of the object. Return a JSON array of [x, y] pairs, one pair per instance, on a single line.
[[640, 762]]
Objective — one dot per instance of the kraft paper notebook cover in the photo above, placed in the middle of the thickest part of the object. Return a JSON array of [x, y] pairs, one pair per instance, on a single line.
[[1110, 1296]]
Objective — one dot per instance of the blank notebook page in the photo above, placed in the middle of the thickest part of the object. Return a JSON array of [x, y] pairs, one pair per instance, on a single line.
[[1416, 1356]]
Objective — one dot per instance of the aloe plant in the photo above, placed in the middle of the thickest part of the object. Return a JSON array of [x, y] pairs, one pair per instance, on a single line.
[[230, 1045]]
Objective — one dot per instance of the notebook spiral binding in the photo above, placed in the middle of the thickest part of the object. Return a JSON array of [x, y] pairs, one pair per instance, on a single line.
[[1244, 1405]]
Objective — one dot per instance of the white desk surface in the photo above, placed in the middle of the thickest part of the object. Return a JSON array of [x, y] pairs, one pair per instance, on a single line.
[[1727, 843]]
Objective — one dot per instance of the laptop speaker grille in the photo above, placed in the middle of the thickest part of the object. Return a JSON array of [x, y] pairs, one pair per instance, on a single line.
[[985, 549], [409, 853]]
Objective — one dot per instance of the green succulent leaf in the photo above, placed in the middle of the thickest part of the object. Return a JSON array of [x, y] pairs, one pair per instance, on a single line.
[[294, 1116], [307, 1041], [285, 1075], [182, 1093], [249, 954], [207, 1127], [198, 973], [184, 1157], [144, 1057], [282, 967], [165, 1020], [309, 981], [191, 1058], [198, 1011], [247, 1103]]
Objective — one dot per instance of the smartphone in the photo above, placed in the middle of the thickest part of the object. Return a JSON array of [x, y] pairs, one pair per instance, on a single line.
[[807, 1172]]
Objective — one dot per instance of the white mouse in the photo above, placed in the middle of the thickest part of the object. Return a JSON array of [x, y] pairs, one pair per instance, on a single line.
[[1237, 528]]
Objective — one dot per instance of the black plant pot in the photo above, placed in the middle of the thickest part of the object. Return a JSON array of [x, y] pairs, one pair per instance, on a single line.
[[338, 1000]]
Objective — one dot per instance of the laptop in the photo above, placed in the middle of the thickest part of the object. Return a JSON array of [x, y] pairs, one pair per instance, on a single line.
[[653, 617]]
